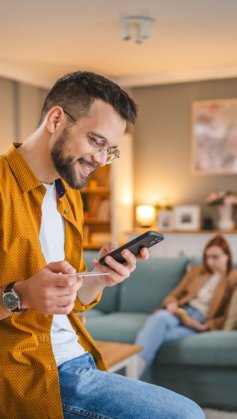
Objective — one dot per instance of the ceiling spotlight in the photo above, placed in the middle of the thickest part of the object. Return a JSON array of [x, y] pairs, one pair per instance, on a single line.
[[124, 30], [139, 24]]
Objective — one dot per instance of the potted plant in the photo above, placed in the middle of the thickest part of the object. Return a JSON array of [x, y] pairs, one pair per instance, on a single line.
[[225, 202]]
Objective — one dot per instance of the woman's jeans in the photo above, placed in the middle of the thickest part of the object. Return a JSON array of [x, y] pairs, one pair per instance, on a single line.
[[89, 393], [161, 327]]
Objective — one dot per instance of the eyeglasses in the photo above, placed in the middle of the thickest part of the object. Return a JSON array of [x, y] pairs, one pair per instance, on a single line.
[[97, 146], [214, 257]]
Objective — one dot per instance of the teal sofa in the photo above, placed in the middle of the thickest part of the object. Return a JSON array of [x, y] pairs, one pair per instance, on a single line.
[[202, 367]]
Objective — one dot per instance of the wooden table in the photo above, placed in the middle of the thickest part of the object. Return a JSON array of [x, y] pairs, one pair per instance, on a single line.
[[118, 355]]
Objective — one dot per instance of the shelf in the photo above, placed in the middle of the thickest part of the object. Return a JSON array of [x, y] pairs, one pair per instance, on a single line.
[[213, 231], [105, 212], [96, 221], [98, 190]]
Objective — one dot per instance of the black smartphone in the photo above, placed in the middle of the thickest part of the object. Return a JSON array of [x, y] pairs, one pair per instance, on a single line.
[[147, 239]]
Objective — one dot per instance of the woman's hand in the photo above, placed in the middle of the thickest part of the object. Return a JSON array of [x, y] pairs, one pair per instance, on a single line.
[[192, 323], [172, 307]]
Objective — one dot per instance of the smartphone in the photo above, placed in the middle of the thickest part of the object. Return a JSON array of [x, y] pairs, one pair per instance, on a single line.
[[147, 239], [182, 312]]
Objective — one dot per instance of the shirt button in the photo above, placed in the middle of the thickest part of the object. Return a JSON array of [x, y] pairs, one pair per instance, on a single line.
[[50, 367], [43, 337], [66, 212]]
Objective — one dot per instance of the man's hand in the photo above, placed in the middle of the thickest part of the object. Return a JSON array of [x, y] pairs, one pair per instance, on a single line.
[[93, 286], [52, 290], [118, 271]]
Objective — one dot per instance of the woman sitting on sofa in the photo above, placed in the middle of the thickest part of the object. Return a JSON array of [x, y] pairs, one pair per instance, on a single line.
[[198, 304]]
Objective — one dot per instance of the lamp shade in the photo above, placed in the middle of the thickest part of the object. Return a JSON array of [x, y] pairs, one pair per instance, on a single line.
[[145, 215]]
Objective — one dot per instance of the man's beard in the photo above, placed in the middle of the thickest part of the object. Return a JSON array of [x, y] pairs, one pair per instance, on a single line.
[[65, 166]]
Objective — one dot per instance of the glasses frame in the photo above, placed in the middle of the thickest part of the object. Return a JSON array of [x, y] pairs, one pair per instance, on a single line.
[[112, 155], [215, 257]]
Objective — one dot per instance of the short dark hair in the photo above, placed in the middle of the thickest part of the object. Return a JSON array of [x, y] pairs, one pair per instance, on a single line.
[[219, 241], [75, 92]]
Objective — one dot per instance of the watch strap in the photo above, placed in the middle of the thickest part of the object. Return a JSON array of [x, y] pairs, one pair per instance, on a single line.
[[9, 288]]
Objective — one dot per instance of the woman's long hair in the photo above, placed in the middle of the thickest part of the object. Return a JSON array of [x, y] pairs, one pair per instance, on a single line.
[[222, 243]]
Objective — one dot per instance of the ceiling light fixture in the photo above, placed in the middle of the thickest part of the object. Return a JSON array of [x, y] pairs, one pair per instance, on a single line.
[[139, 24]]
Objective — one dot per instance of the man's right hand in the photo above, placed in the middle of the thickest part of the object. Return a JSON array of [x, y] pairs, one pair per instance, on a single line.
[[52, 290]]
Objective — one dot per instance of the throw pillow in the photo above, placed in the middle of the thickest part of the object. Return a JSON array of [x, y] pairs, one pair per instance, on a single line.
[[231, 321]]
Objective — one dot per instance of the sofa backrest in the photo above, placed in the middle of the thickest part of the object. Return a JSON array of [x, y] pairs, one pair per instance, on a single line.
[[110, 298], [150, 283], [145, 289]]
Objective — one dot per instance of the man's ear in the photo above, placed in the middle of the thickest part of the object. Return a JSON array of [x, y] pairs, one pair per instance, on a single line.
[[54, 119]]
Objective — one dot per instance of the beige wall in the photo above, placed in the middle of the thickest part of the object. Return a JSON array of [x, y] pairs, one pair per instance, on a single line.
[[7, 125], [162, 143], [30, 103]]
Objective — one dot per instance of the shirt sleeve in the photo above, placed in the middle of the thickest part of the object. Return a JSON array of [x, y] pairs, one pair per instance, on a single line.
[[78, 307]]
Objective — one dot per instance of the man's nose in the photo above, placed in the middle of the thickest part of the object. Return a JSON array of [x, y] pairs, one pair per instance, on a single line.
[[101, 158]]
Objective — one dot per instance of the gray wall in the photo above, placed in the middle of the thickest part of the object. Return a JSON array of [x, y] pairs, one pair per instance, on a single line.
[[162, 144], [20, 106]]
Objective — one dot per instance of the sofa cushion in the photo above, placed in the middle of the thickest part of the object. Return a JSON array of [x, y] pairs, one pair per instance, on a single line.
[[150, 283], [93, 313], [88, 256], [216, 348], [116, 327]]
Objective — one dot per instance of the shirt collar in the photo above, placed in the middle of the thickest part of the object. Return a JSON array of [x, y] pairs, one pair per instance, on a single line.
[[23, 173]]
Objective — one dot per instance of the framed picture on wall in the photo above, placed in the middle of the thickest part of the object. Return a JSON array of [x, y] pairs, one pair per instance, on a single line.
[[214, 137], [187, 217], [166, 220]]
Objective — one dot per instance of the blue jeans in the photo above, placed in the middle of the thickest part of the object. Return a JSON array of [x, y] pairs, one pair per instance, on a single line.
[[161, 327], [90, 393]]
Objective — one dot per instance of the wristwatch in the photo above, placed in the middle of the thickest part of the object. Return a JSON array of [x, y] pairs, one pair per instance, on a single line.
[[11, 300]]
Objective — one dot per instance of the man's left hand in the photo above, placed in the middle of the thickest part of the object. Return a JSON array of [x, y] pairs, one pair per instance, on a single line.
[[118, 271]]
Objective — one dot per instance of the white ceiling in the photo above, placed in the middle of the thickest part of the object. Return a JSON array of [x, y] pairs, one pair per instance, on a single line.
[[190, 39]]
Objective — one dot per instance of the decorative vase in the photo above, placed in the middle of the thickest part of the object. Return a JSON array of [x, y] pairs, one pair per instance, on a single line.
[[225, 221]]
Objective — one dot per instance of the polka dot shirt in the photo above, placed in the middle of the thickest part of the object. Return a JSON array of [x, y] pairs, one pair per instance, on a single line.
[[29, 384]]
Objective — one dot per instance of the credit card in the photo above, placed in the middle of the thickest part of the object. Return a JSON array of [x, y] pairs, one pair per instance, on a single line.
[[91, 273]]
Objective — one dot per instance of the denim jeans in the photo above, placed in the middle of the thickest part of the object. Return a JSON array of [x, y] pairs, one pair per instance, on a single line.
[[161, 327], [90, 393]]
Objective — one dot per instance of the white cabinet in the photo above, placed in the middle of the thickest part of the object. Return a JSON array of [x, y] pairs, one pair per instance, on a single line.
[[189, 244]]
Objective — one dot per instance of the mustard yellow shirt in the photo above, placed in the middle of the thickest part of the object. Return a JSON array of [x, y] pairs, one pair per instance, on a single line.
[[29, 383]]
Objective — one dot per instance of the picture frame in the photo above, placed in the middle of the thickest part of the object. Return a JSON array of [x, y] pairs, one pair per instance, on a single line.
[[187, 217], [165, 220], [214, 137]]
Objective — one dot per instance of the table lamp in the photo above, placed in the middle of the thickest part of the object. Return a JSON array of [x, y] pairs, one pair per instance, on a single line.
[[145, 215]]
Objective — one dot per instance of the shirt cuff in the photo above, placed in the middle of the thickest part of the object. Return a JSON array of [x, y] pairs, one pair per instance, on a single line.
[[78, 306]]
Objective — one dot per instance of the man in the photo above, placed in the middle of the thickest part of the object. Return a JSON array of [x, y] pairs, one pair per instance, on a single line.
[[47, 357]]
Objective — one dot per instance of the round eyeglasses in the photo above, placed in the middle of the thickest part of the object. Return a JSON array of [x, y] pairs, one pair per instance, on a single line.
[[97, 145]]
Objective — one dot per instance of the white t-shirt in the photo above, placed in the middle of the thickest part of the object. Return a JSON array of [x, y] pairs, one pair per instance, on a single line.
[[52, 238], [202, 300]]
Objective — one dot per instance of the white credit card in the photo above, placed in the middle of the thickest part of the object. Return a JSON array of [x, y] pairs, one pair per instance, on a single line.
[[92, 273]]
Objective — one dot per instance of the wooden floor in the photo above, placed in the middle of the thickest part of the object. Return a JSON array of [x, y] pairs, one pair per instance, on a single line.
[[214, 414]]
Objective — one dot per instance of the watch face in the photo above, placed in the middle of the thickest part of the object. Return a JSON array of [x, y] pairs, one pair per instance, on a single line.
[[10, 301]]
